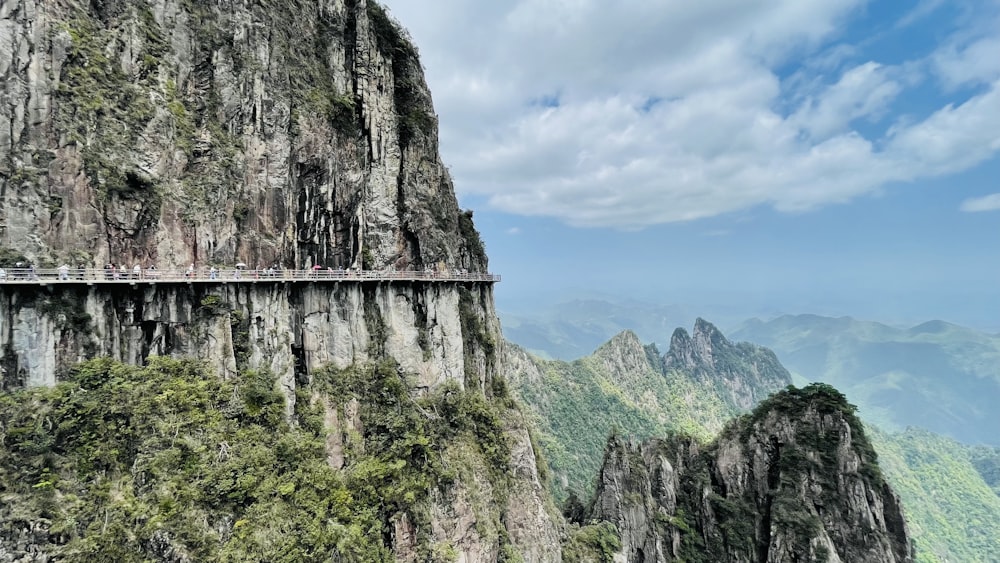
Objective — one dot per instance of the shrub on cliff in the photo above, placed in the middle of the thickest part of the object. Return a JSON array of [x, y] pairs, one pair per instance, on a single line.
[[168, 461]]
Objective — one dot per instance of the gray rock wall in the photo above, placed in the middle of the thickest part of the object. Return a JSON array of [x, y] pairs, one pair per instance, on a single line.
[[172, 132], [795, 481], [290, 329]]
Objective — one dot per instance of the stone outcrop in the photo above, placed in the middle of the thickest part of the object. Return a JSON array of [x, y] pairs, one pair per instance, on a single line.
[[743, 373], [797, 480]]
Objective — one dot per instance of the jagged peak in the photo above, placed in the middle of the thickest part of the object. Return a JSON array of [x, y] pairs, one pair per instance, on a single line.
[[748, 372], [680, 336], [624, 340], [705, 328], [625, 356]]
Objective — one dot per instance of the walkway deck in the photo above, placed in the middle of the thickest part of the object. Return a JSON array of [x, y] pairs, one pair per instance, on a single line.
[[91, 276]]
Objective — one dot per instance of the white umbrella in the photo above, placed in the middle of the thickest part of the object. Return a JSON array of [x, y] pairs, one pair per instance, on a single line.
[[241, 265]]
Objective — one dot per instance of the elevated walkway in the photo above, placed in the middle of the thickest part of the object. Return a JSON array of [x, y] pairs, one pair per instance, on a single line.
[[94, 276]]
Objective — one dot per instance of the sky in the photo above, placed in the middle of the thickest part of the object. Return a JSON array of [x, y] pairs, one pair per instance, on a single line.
[[835, 157]]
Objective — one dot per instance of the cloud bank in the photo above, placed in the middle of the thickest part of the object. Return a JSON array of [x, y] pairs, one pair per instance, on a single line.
[[642, 112]]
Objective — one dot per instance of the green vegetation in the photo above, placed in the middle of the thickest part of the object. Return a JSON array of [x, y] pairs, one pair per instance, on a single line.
[[9, 257], [130, 463], [952, 512], [577, 405], [986, 460], [594, 543]]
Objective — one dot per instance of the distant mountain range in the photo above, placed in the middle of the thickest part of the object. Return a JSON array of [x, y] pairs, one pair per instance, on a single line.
[[936, 375], [701, 382], [628, 389], [573, 329]]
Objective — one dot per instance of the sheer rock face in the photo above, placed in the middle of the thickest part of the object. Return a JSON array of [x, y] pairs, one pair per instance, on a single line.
[[795, 481], [744, 373], [291, 330], [177, 132]]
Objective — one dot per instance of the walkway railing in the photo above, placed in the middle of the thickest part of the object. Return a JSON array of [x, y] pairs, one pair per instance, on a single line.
[[90, 276]]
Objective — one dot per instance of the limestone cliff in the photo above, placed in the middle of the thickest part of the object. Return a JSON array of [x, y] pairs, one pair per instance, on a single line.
[[298, 133], [176, 132], [797, 480]]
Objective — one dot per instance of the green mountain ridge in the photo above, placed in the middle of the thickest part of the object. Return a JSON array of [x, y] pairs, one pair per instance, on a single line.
[[641, 394], [630, 388]]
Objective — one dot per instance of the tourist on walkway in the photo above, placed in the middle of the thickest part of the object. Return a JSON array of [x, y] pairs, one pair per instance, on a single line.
[[64, 272]]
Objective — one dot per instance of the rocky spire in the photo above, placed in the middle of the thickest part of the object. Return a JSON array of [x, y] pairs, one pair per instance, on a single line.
[[797, 480], [744, 373]]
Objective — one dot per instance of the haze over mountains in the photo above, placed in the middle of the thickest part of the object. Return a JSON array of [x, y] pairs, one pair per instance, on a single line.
[[935, 375]]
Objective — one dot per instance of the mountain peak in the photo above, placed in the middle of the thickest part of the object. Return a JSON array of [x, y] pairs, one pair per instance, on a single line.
[[625, 355], [748, 372]]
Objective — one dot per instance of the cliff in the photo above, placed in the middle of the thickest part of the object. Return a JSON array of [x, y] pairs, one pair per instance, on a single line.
[[270, 133], [796, 480], [175, 133]]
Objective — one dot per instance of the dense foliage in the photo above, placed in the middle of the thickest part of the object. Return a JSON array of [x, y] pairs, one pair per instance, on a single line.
[[598, 543], [577, 405], [130, 463], [953, 514]]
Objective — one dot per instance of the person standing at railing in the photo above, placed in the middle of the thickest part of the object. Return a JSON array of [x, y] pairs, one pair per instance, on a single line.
[[64, 272], [137, 272]]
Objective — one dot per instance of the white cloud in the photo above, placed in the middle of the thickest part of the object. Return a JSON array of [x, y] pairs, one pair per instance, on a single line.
[[923, 9], [674, 111], [863, 91], [986, 203]]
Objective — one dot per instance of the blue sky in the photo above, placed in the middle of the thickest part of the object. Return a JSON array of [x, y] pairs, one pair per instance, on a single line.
[[763, 156]]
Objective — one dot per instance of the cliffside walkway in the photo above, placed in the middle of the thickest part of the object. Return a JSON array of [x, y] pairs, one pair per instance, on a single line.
[[94, 276]]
